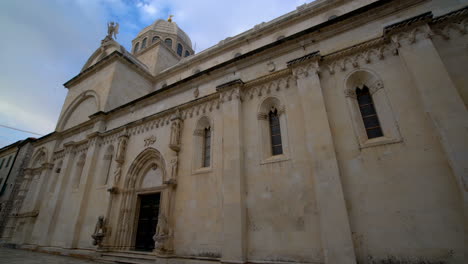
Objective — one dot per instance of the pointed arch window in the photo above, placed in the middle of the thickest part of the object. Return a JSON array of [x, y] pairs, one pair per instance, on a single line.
[[206, 147], [275, 132], [368, 113]]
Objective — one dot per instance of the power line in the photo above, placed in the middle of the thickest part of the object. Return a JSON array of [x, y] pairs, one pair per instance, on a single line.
[[21, 130]]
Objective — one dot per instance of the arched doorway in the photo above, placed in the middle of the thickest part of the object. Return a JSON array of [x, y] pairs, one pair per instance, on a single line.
[[143, 201]]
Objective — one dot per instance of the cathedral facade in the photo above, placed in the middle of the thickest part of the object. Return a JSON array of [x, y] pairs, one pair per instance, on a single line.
[[336, 133]]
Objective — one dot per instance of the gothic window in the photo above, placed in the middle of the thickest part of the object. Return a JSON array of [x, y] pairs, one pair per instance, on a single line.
[[143, 44], [78, 171], [179, 49], [272, 131], [275, 132], [368, 113], [203, 138], [135, 50], [372, 117], [168, 42], [206, 147], [155, 38], [106, 165], [187, 53]]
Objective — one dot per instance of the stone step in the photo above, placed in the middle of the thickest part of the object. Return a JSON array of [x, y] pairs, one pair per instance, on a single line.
[[130, 257]]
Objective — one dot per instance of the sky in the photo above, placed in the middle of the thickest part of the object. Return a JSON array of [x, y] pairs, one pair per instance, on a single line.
[[45, 43]]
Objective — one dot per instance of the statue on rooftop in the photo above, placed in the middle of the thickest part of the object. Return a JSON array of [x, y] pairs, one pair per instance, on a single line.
[[112, 29]]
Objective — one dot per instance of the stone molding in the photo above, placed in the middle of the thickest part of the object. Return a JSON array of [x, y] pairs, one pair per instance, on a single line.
[[267, 84], [456, 21], [373, 88]]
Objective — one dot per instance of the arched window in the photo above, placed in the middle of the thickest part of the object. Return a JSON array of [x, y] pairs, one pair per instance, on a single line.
[[202, 145], [206, 147], [272, 132], [275, 132], [135, 50], [154, 39], [78, 171], [179, 49], [187, 53], [106, 165], [372, 117], [168, 42], [143, 44], [368, 113]]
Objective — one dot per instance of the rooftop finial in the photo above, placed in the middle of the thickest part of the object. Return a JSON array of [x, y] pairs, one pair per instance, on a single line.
[[169, 19]]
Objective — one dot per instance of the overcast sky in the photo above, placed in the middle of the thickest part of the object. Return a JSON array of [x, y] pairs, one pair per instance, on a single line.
[[45, 43]]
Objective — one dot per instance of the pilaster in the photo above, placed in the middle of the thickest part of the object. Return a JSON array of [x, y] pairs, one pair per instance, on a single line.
[[333, 216], [85, 188], [234, 211], [440, 99], [56, 201]]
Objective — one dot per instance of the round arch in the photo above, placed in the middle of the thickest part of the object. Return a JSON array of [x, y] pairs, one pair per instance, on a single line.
[[75, 104]]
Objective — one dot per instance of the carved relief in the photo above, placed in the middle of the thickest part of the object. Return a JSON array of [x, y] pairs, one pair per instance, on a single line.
[[176, 132], [150, 140], [120, 157]]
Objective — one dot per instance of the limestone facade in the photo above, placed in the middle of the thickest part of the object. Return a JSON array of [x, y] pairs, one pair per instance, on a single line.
[[198, 131]]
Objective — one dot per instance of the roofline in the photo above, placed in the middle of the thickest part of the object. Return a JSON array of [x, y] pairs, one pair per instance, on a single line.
[[103, 62], [18, 144]]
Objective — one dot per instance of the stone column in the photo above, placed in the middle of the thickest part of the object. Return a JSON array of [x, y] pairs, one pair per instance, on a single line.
[[440, 99], [333, 216], [234, 211], [88, 175]]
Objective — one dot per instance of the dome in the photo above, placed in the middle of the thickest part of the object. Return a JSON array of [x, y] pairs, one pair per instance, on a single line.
[[167, 27]]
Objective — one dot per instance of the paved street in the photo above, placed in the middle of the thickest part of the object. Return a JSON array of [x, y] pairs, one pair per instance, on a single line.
[[17, 256]]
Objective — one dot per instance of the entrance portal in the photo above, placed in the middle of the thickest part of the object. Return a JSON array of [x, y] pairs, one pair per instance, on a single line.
[[147, 221]]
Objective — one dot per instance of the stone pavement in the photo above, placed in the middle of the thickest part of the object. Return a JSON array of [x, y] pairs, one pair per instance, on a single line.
[[18, 256]]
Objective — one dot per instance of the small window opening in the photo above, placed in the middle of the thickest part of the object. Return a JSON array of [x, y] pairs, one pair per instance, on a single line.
[[155, 38], [179, 49], [168, 42], [187, 53], [368, 113], [206, 147], [275, 133], [143, 44]]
